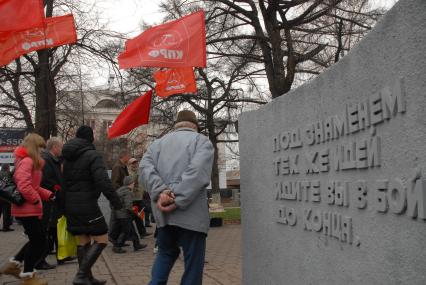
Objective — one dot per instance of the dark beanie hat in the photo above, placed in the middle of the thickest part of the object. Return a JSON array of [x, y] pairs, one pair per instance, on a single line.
[[187, 116], [85, 132]]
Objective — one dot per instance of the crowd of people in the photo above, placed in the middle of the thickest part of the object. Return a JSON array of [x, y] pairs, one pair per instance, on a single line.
[[167, 186]]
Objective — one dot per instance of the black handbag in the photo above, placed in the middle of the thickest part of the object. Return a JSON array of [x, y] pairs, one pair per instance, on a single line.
[[9, 193]]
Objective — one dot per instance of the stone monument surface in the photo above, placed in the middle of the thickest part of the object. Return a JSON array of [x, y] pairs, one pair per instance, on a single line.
[[333, 174]]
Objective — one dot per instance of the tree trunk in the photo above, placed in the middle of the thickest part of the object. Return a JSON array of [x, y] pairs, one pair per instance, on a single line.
[[215, 173], [215, 169], [273, 55], [27, 115], [45, 89], [20, 100]]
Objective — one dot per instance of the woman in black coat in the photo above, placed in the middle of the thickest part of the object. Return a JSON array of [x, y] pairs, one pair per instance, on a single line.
[[85, 178]]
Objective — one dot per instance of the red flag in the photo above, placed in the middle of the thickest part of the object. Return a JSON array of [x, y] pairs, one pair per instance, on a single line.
[[181, 43], [134, 115], [59, 31], [175, 81], [17, 15]]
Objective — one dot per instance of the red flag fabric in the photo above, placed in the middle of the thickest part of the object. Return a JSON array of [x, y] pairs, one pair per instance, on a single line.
[[17, 15], [175, 81], [134, 115], [181, 43], [59, 31]]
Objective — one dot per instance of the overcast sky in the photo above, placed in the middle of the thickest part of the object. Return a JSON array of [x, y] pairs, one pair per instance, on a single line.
[[127, 15]]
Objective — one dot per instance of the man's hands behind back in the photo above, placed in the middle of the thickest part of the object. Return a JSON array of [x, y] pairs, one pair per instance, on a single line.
[[166, 201]]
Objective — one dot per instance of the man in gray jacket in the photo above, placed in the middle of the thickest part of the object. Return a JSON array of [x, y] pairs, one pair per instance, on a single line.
[[176, 170]]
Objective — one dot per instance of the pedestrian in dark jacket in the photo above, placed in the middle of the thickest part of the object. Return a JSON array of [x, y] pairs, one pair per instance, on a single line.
[[28, 174], [52, 181], [125, 216], [85, 178], [138, 191], [6, 177], [119, 170]]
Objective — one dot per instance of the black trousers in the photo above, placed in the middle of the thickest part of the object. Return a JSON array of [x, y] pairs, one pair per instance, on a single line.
[[51, 241], [52, 236], [49, 222], [5, 211], [114, 230], [126, 232], [32, 251]]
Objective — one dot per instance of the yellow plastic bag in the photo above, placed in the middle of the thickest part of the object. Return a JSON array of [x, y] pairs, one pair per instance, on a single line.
[[67, 243]]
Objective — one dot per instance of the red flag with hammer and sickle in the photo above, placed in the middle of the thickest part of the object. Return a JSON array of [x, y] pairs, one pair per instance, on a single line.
[[175, 81], [57, 31], [181, 43]]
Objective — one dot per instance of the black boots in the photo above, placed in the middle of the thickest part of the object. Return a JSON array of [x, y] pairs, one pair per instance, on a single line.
[[117, 249], [137, 246], [87, 256], [119, 243]]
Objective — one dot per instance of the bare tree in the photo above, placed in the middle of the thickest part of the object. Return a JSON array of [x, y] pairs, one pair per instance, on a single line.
[[16, 95], [294, 36], [222, 86], [50, 70]]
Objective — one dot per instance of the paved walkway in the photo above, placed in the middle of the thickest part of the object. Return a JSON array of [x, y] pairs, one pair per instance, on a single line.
[[223, 261], [11, 242]]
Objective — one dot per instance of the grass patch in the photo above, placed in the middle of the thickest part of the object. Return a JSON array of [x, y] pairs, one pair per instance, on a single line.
[[229, 214]]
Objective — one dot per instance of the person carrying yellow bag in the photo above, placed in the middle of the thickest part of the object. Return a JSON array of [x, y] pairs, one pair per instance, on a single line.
[[85, 179], [67, 243]]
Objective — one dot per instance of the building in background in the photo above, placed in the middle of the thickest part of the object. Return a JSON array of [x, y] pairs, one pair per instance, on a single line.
[[98, 109]]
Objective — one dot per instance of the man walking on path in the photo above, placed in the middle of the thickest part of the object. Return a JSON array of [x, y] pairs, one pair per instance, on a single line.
[[52, 181], [138, 192], [124, 217], [176, 170], [118, 172]]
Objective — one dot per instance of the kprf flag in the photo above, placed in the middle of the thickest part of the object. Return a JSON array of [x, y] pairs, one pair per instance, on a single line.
[[181, 43], [58, 31], [17, 15], [177, 80], [134, 115]]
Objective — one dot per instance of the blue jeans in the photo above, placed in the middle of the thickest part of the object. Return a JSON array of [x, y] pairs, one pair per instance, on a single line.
[[169, 239]]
